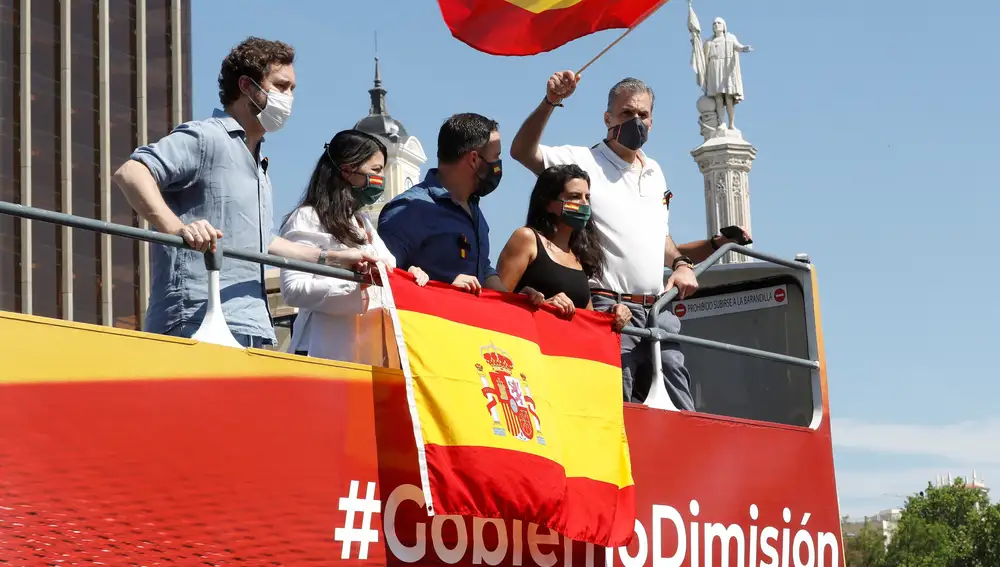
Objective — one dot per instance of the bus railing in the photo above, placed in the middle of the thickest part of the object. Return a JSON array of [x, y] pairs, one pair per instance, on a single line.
[[134, 233], [658, 397], [215, 330]]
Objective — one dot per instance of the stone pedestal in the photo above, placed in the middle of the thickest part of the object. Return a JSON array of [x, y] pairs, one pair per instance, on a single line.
[[725, 159]]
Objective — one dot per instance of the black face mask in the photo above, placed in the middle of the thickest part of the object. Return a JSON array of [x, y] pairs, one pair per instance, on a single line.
[[489, 183], [631, 134]]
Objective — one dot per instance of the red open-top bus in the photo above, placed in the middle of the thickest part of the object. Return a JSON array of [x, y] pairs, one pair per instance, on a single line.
[[127, 448]]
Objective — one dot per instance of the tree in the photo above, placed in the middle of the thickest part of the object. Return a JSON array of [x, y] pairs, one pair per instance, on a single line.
[[866, 548], [986, 548], [941, 527], [918, 543]]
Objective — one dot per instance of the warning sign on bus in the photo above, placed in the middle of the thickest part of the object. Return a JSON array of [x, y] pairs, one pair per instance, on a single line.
[[730, 303]]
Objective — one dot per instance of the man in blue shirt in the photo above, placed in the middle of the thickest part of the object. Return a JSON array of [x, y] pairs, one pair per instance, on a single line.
[[437, 224], [206, 181]]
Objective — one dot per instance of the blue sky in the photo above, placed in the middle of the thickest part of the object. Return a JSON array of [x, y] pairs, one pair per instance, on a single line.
[[872, 125]]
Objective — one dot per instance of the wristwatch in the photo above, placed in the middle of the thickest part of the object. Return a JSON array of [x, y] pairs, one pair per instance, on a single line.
[[678, 261], [322, 256]]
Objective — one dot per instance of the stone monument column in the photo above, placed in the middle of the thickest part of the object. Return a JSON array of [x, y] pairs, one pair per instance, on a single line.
[[725, 163], [725, 157]]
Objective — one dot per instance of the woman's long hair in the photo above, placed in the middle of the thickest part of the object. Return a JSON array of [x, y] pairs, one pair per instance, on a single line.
[[582, 243], [329, 194]]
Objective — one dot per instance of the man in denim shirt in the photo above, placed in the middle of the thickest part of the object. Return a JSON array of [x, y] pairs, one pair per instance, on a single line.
[[206, 181], [437, 224]]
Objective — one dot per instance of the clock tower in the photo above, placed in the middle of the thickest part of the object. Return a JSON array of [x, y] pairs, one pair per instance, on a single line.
[[406, 154]]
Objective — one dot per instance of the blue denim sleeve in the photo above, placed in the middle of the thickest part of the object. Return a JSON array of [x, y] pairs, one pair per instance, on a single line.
[[400, 234], [176, 160], [270, 233]]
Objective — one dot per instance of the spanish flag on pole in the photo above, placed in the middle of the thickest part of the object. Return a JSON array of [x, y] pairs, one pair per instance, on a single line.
[[528, 27], [516, 413]]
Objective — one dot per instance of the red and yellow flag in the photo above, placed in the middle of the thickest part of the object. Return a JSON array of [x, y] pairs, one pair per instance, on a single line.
[[528, 27], [517, 413]]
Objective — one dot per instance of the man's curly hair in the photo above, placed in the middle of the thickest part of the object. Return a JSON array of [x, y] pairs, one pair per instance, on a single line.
[[252, 58]]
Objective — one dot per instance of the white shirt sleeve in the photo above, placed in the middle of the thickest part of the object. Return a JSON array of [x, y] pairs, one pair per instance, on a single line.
[[380, 248], [323, 294], [563, 155]]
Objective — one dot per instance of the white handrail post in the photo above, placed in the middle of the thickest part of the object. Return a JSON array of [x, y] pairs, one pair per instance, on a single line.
[[213, 327], [658, 397]]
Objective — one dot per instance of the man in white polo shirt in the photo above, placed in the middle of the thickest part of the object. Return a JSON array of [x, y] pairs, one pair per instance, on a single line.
[[630, 207]]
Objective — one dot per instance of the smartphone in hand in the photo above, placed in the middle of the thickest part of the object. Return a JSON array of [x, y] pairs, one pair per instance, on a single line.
[[735, 234]]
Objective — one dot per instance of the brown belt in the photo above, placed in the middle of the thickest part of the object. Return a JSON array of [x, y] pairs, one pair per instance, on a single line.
[[637, 299]]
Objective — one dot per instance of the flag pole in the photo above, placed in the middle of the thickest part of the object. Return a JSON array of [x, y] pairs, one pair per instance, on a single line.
[[606, 49], [622, 36]]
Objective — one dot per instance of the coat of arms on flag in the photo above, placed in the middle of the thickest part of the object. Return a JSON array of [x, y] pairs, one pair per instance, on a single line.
[[511, 394]]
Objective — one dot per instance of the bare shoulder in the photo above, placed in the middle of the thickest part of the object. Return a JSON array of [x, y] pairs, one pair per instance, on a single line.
[[522, 241], [523, 237]]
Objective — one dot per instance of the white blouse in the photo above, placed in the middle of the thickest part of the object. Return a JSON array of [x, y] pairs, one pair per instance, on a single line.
[[337, 319]]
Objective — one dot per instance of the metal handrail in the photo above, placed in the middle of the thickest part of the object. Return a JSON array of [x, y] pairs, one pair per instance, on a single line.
[[652, 332], [700, 269], [74, 221], [658, 397]]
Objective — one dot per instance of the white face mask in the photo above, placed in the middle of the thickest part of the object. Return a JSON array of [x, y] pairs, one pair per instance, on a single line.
[[278, 108]]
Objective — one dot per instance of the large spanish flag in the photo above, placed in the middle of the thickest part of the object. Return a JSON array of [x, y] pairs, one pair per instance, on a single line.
[[517, 413], [527, 27]]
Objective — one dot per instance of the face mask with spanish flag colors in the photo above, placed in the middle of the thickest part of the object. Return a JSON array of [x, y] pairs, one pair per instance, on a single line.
[[368, 193], [575, 215]]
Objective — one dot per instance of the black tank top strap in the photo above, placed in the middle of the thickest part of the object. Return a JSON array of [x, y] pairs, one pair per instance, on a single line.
[[551, 278], [539, 245]]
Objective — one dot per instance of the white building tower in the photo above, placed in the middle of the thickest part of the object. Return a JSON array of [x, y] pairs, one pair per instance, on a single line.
[[406, 154]]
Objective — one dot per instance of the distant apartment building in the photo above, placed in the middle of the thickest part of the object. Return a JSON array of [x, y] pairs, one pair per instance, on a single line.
[[82, 83], [976, 482], [885, 522]]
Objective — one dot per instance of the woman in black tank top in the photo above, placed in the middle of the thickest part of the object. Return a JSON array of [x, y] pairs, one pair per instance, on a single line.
[[553, 256]]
